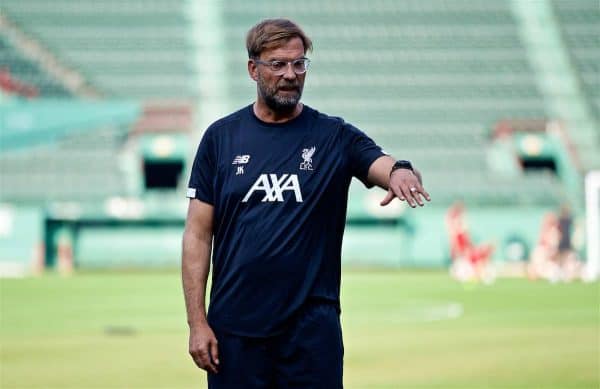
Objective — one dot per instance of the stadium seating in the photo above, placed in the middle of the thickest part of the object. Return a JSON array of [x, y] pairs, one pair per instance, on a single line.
[[124, 48], [579, 21], [80, 168], [580, 25], [133, 49], [27, 72], [427, 80]]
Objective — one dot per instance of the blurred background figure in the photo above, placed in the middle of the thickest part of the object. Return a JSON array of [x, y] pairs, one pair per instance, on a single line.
[[10, 85], [470, 262], [543, 262], [568, 259], [554, 257]]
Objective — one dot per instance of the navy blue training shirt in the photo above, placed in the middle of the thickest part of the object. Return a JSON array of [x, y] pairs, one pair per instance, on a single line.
[[279, 193]]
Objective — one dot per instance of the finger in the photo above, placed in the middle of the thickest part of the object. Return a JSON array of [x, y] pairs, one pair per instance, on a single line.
[[202, 360], [408, 195], [415, 195], [205, 360], [388, 197], [397, 191], [214, 351], [420, 191], [198, 360], [424, 193]]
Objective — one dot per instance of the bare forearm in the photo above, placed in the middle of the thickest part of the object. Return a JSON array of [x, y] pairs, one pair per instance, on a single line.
[[195, 266], [379, 173]]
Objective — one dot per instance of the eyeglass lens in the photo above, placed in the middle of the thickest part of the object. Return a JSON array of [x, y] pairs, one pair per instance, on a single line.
[[299, 66]]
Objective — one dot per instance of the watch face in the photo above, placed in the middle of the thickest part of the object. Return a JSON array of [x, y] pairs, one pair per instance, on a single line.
[[403, 165]]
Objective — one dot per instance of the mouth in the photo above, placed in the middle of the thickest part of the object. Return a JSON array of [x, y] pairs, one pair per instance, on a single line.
[[289, 88]]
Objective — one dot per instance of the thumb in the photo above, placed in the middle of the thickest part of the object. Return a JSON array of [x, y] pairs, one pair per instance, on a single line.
[[214, 352], [388, 197]]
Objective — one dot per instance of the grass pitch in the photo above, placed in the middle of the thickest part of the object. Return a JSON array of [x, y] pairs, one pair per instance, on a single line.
[[401, 330]]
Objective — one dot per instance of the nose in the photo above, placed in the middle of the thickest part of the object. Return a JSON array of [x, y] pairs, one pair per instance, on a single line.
[[289, 72]]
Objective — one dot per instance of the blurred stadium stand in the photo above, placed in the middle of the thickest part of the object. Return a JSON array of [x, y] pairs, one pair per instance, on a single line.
[[132, 49], [20, 68], [429, 80], [579, 21], [580, 24], [85, 168]]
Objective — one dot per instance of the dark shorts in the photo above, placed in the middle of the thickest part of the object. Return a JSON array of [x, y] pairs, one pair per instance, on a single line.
[[308, 354]]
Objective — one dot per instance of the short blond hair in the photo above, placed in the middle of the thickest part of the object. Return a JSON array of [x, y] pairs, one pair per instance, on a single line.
[[271, 33]]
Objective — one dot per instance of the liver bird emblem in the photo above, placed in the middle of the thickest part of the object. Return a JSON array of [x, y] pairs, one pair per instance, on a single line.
[[307, 157]]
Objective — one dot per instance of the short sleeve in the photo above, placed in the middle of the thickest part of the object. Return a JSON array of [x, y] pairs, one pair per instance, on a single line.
[[201, 183], [363, 151]]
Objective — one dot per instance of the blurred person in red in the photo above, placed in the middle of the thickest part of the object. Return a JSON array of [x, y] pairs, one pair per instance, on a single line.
[[543, 262], [11, 85], [470, 262]]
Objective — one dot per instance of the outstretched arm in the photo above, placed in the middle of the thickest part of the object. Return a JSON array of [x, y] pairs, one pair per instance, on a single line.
[[403, 183], [195, 264]]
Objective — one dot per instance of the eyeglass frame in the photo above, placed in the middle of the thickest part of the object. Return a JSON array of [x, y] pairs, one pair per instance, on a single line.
[[283, 70]]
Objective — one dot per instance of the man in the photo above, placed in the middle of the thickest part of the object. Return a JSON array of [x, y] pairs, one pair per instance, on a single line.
[[269, 187], [568, 261]]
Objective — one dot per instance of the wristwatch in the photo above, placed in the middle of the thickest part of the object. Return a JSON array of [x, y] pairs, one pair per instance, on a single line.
[[401, 164]]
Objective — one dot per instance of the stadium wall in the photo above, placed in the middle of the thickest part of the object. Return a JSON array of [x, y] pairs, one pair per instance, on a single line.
[[21, 239], [417, 239], [421, 239]]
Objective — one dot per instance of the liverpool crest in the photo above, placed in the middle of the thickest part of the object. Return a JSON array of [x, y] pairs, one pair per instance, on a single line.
[[307, 157]]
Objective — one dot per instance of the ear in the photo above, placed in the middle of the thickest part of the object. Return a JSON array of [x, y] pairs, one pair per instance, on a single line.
[[252, 70]]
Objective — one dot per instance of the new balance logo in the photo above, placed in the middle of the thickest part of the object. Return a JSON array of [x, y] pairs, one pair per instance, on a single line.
[[240, 159], [274, 187]]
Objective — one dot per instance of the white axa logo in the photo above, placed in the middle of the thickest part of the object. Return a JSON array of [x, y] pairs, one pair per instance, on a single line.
[[274, 187]]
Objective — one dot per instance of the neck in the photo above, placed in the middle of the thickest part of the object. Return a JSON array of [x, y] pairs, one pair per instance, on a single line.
[[268, 115]]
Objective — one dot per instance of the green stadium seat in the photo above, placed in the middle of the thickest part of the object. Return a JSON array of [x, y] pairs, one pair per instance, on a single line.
[[580, 21], [127, 48], [26, 71], [79, 168]]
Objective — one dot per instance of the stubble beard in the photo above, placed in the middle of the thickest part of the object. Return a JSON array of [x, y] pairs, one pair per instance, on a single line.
[[274, 100]]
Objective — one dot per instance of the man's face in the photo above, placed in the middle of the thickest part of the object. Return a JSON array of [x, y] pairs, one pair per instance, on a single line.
[[280, 92]]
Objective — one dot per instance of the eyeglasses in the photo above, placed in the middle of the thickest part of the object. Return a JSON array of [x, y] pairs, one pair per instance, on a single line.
[[299, 66]]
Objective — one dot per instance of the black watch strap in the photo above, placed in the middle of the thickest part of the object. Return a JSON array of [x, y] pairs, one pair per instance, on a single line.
[[401, 164]]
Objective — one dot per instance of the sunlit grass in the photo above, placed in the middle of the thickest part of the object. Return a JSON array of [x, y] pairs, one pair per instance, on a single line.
[[401, 329]]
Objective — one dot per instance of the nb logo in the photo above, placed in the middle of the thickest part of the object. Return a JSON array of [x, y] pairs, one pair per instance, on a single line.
[[274, 186], [240, 159]]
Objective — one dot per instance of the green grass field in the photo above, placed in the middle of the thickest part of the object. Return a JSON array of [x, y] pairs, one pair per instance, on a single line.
[[401, 329]]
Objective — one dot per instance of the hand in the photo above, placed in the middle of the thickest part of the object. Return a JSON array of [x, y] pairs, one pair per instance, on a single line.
[[406, 185], [204, 348]]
